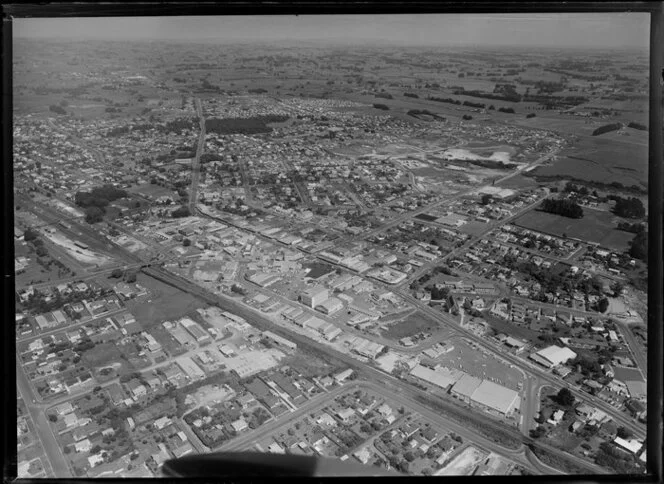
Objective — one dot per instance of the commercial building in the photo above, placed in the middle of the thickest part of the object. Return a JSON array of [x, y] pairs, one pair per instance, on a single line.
[[465, 387], [553, 356], [314, 296], [441, 378], [195, 329], [192, 370], [494, 397], [344, 375], [279, 340], [330, 306]]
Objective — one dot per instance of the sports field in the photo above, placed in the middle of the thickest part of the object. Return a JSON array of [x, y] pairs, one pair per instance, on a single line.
[[595, 226]]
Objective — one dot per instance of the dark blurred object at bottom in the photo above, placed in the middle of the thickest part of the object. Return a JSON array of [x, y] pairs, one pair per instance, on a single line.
[[256, 464]]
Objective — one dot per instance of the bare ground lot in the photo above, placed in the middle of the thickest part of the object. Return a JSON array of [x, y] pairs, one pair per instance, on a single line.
[[165, 303], [595, 226], [411, 325]]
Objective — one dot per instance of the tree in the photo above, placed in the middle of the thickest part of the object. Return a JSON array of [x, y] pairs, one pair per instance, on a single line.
[[409, 456], [486, 199], [130, 277], [94, 215], [603, 305], [629, 207], [565, 397], [116, 274], [617, 288], [183, 211], [639, 246], [624, 433], [30, 234], [52, 418], [186, 242], [566, 208], [41, 251]]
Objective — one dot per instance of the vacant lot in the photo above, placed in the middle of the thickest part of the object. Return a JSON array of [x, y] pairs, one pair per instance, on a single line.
[[595, 226], [165, 303], [155, 191], [411, 325]]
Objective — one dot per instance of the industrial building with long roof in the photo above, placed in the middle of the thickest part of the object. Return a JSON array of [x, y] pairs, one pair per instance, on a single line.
[[553, 356]]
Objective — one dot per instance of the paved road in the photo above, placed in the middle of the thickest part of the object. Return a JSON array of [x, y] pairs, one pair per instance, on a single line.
[[195, 166], [69, 327], [639, 356], [246, 441], [42, 428]]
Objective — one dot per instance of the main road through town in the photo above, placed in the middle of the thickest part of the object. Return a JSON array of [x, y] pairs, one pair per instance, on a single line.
[[196, 162], [42, 428]]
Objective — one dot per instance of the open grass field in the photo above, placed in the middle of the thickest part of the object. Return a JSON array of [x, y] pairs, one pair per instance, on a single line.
[[165, 303], [414, 323], [103, 354], [595, 226], [603, 159], [473, 228], [627, 374]]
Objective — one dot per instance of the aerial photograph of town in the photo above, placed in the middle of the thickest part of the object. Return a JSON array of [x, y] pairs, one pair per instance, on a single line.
[[416, 244]]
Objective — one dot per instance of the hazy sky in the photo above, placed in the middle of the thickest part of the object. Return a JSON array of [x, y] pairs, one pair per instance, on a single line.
[[611, 30]]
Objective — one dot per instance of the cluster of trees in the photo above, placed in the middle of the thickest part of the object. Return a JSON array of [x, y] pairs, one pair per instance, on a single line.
[[507, 110], [439, 293], [384, 95], [448, 100], [566, 208], [636, 125], [384, 107], [620, 461], [552, 102], [207, 157], [638, 247], [411, 94], [99, 196], [628, 207], [565, 397], [607, 128], [467, 117], [511, 97], [580, 189], [530, 115], [474, 105], [95, 201], [634, 228], [254, 125], [183, 211]]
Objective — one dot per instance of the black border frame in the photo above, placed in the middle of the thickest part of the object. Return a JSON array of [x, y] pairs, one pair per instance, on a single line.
[[655, 173]]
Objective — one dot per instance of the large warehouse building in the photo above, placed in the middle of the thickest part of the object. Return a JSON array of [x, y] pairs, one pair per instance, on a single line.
[[553, 356], [442, 377], [494, 397], [486, 394]]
